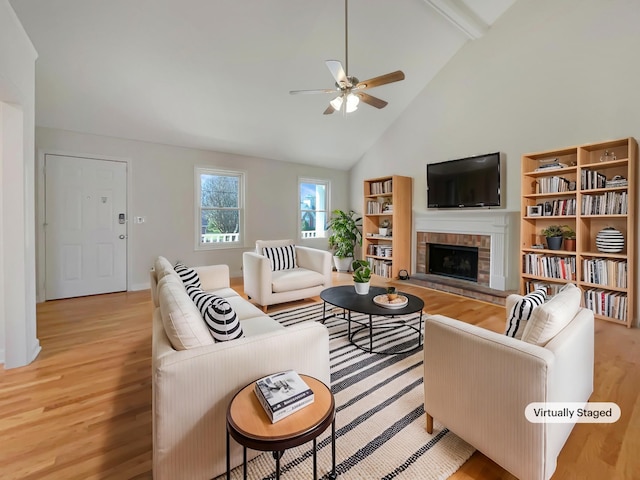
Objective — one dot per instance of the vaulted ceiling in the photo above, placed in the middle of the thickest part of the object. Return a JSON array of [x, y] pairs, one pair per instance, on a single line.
[[216, 74]]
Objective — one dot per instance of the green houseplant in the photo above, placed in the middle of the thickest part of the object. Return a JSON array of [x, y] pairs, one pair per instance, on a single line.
[[361, 276], [345, 235]]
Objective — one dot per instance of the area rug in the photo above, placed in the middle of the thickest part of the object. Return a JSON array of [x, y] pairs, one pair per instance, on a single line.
[[380, 419]]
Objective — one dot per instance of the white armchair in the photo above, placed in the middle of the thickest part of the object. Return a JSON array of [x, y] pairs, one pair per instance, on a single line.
[[266, 286], [477, 383]]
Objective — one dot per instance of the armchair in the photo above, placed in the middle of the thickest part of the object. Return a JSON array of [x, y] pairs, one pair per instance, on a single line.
[[477, 383], [266, 284]]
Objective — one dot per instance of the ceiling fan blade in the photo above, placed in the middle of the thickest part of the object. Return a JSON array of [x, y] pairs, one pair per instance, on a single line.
[[329, 110], [371, 100], [337, 71], [381, 80], [323, 90]]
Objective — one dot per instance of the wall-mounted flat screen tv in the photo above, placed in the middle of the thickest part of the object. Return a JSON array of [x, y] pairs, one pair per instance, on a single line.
[[465, 182]]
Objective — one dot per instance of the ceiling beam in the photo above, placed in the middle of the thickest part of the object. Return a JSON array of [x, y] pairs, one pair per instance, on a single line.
[[461, 16]]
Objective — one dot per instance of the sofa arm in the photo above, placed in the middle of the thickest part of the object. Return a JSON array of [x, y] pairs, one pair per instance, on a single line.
[[478, 382], [316, 260], [256, 272], [213, 277], [193, 388]]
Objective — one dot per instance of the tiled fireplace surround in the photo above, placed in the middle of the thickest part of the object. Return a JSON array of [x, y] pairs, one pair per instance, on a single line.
[[495, 235]]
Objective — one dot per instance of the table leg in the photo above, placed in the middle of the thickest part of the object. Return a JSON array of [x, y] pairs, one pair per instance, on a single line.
[[349, 326], [333, 475], [324, 312], [244, 463], [315, 461], [370, 334], [228, 458], [420, 330], [277, 455]]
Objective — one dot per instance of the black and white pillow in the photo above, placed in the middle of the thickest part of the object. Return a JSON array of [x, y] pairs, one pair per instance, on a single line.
[[521, 312], [188, 275], [216, 312], [281, 258]]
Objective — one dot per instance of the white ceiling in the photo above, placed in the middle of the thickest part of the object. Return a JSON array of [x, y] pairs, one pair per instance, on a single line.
[[216, 74]]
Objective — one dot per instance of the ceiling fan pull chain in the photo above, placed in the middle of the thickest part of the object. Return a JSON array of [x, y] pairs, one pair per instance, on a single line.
[[346, 38]]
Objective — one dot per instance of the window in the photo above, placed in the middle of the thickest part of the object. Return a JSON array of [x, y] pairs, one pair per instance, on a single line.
[[219, 208], [314, 207]]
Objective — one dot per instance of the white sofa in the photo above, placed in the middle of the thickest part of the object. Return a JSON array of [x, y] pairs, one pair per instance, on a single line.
[[477, 383], [194, 378], [266, 287]]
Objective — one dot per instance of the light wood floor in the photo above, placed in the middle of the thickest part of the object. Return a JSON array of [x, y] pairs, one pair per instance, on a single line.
[[82, 409]]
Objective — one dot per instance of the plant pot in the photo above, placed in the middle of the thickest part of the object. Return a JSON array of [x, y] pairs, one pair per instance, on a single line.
[[570, 244], [343, 264], [362, 288], [554, 243]]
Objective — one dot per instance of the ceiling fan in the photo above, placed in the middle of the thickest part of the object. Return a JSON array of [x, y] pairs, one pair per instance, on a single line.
[[348, 87]]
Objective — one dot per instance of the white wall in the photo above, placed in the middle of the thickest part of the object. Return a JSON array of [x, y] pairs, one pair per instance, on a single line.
[[547, 74], [18, 342], [161, 181]]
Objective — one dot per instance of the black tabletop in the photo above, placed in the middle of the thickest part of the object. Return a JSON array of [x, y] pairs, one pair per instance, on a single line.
[[346, 297]]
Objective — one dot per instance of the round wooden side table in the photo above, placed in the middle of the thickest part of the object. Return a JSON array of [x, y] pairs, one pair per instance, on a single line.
[[249, 425]]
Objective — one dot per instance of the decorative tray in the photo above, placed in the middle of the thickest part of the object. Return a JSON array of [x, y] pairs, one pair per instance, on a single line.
[[383, 301]]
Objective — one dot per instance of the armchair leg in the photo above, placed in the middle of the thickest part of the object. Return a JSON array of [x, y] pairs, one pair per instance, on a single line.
[[429, 423], [264, 308]]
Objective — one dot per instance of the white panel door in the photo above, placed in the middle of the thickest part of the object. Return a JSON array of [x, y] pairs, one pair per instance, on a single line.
[[85, 226]]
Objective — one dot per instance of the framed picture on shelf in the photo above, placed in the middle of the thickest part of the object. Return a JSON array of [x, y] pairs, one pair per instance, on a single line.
[[534, 211]]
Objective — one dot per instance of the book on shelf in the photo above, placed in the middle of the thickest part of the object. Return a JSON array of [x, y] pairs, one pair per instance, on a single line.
[[282, 394]]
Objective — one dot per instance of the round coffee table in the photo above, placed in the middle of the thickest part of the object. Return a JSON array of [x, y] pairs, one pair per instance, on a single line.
[[346, 298], [249, 425]]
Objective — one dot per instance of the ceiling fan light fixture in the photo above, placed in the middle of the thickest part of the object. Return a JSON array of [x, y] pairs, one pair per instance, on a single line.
[[352, 103], [336, 103]]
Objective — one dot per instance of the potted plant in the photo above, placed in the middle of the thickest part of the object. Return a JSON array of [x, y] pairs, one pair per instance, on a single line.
[[569, 236], [554, 234], [383, 229], [361, 276], [345, 235], [391, 293]]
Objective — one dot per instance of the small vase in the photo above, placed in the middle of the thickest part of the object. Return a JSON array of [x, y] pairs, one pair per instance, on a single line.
[[554, 243], [610, 240], [570, 244], [362, 288]]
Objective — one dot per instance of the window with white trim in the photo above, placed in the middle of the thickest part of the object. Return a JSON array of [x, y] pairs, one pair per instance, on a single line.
[[313, 211], [219, 208]]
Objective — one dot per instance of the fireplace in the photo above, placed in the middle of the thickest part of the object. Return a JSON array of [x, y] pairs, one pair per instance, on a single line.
[[454, 261]]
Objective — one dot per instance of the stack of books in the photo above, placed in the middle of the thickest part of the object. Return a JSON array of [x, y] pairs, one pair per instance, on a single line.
[[282, 394]]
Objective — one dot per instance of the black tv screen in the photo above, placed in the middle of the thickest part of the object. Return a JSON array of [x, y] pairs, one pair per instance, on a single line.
[[465, 182]]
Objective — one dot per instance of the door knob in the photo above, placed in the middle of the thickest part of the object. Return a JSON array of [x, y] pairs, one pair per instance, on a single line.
[[122, 237]]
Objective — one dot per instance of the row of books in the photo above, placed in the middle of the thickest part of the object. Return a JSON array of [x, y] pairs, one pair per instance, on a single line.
[[592, 179], [551, 288], [610, 304], [563, 207], [549, 266], [378, 188], [553, 185], [612, 273], [380, 250], [282, 394], [609, 203], [549, 166], [374, 207], [383, 268]]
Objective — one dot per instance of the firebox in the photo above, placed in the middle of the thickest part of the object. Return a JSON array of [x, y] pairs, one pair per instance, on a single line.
[[453, 261]]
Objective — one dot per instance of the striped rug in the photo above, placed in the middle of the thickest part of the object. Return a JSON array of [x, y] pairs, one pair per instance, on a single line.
[[380, 420]]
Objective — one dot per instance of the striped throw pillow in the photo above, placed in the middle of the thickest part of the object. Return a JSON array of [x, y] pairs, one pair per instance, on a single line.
[[521, 312], [188, 275], [281, 258], [217, 314]]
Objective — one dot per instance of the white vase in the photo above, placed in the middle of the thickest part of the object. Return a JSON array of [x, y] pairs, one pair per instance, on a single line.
[[383, 231], [361, 288], [343, 264]]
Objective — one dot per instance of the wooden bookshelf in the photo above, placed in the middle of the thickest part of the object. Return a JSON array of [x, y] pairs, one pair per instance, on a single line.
[[585, 178], [388, 198]]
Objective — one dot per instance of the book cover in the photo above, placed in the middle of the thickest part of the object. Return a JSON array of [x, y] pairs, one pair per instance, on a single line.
[[283, 393]]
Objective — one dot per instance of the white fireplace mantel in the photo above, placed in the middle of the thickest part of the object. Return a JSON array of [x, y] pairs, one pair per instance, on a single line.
[[502, 226]]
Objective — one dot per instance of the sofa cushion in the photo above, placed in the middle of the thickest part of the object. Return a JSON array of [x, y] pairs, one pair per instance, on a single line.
[[260, 324], [520, 313], [217, 313], [181, 319], [550, 318], [281, 258], [243, 308], [188, 275], [295, 279]]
